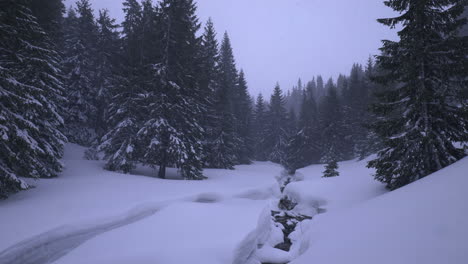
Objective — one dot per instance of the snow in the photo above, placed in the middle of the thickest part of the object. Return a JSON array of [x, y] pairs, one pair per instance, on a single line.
[[89, 215], [85, 198], [354, 185], [424, 222]]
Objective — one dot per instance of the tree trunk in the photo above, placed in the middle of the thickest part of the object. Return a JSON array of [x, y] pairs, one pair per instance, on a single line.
[[162, 166], [162, 171]]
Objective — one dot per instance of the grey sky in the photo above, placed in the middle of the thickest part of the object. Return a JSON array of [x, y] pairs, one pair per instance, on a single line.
[[283, 40]]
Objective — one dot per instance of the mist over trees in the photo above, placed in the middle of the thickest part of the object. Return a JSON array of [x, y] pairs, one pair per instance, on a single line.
[[160, 90]]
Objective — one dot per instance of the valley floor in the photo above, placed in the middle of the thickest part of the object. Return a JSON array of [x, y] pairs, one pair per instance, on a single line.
[[89, 215]]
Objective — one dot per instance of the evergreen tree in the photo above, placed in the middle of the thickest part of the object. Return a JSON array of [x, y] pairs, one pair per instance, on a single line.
[[292, 121], [259, 128], [80, 65], [243, 114], [331, 119], [172, 133], [147, 28], [357, 114], [320, 92], [125, 112], [49, 15], [276, 136], [424, 115], [208, 81], [341, 85], [311, 88], [304, 147], [226, 141], [108, 48], [31, 142], [331, 170], [371, 142]]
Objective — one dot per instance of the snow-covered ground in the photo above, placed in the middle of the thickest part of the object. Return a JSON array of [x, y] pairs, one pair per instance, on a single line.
[[424, 222], [89, 215], [189, 220]]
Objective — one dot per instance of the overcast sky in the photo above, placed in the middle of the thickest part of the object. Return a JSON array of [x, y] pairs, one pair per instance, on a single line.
[[283, 40]]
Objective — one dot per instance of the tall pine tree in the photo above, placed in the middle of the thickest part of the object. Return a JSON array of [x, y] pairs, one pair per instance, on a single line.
[[226, 141], [422, 118], [243, 114], [31, 142], [331, 122], [80, 65], [259, 128], [172, 133], [304, 146], [121, 143], [276, 136], [208, 81]]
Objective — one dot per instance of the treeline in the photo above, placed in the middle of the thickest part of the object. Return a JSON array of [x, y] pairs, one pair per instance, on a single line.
[[318, 122]]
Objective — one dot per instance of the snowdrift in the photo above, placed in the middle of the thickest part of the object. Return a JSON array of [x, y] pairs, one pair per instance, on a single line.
[[424, 222]]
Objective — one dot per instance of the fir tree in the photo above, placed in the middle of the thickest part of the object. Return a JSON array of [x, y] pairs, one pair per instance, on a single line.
[[259, 128], [331, 122], [243, 114], [357, 114], [108, 48], [226, 141], [304, 147], [276, 136], [424, 115], [208, 81], [125, 112], [80, 65], [371, 142], [320, 92], [31, 142], [49, 15], [331, 170], [172, 133], [148, 26]]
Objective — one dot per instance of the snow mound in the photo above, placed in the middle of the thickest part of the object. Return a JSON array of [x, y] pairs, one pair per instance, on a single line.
[[424, 222]]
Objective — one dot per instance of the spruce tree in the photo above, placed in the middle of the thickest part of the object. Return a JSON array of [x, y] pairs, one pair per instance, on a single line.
[[125, 112], [108, 48], [208, 81], [425, 114], [304, 147], [331, 170], [259, 128], [243, 114], [172, 133], [31, 141], [80, 75], [331, 123], [321, 92], [49, 15], [371, 142], [276, 136], [356, 113], [226, 141], [147, 32]]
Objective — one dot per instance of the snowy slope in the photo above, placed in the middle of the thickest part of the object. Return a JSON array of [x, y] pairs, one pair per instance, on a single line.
[[89, 215], [87, 201], [425, 222], [354, 185]]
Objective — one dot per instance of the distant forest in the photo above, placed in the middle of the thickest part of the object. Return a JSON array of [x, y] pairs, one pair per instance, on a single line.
[[160, 90]]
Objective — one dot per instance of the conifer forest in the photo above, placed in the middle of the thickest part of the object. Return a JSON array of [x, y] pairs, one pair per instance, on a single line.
[[149, 108]]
